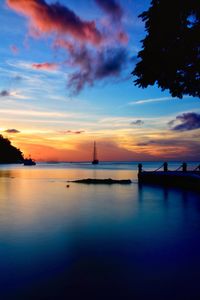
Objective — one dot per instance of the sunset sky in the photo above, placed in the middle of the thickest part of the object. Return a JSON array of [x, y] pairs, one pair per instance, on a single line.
[[65, 81]]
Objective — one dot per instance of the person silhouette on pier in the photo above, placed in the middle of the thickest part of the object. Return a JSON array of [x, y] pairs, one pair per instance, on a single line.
[[139, 168], [184, 167], [165, 166]]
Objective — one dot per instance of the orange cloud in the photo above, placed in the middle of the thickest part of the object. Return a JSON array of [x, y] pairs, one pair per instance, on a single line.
[[45, 66], [55, 18]]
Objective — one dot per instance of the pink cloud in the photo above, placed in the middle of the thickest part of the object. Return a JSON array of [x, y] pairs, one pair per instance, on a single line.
[[14, 49], [45, 66], [47, 18], [122, 37], [62, 43], [104, 57], [72, 132]]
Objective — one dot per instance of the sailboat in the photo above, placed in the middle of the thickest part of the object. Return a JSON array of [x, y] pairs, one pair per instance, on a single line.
[[95, 160]]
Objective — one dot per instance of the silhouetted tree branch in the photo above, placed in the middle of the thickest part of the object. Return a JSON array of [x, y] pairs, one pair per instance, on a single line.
[[170, 55]]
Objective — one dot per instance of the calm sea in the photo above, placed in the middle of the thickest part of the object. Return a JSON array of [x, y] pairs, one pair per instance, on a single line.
[[96, 242]]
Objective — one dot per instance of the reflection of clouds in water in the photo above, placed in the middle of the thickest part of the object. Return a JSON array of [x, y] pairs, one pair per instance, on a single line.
[[99, 240]]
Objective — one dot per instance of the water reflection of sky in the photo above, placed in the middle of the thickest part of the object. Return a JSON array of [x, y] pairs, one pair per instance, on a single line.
[[96, 241]]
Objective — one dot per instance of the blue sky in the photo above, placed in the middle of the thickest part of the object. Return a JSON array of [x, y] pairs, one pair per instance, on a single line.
[[56, 120]]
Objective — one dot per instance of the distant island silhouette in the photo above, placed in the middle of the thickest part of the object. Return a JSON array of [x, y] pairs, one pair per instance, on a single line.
[[9, 154]]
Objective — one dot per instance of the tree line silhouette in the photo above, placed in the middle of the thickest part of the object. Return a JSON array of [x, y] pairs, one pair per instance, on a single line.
[[8, 153]]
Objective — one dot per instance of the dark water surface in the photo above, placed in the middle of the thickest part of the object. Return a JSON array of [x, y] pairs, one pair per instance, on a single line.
[[96, 242]]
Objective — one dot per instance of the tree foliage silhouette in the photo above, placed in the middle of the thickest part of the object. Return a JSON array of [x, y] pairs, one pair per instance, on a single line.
[[170, 55], [8, 153]]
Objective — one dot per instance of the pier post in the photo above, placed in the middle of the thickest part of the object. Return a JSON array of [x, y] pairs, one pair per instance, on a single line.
[[139, 168], [165, 166], [184, 167]]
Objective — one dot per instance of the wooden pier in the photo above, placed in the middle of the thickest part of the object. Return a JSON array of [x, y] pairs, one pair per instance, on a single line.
[[181, 177]]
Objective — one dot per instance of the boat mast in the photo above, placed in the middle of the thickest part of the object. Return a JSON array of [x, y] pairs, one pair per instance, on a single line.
[[95, 160], [95, 152]]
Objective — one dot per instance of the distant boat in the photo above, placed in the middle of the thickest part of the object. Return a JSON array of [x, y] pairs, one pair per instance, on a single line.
[[29, 162], [95, 160]]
